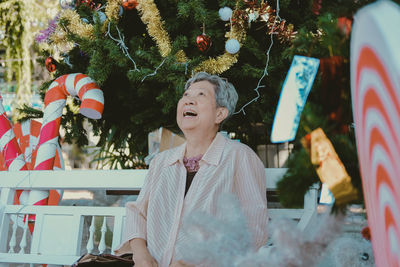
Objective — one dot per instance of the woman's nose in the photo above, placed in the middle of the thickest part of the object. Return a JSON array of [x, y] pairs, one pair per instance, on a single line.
[[190, 100]]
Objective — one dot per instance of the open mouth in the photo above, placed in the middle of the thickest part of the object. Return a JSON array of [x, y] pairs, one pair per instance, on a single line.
[[189, 113]]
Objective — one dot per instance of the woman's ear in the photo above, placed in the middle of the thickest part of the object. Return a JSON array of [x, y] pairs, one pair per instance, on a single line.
[[222, 114]]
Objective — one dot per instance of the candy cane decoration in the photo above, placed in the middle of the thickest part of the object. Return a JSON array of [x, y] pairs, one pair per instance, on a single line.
[[27, 135], [92, 106], [375, 82], [13, 158]]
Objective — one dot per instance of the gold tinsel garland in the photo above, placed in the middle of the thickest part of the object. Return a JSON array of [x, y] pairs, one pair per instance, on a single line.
[[112, 9], [225, 61], [76, 25], [150, 16]]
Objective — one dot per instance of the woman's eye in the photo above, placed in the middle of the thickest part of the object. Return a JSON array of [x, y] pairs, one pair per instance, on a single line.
[[201, 93], [185, 94]]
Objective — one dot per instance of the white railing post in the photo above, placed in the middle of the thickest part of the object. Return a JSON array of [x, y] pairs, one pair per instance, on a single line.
[[102, 244], [13, 240], [90, 244], [23, 242]]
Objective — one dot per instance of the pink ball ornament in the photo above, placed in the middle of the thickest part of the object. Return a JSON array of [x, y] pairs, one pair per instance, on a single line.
[[225, 13], [232, 46]]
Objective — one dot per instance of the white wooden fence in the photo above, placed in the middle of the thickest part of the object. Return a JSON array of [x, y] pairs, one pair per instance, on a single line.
[[57, 238]]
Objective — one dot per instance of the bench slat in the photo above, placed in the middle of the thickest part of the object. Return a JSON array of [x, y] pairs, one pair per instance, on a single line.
[[95, 180], [38, 259], [66, 222]]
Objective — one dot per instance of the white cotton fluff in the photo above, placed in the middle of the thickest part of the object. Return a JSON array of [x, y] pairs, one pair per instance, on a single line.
[[225, 241], [225, 13]]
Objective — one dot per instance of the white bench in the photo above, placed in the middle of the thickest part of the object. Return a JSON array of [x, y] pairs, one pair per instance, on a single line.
[[57, 238]]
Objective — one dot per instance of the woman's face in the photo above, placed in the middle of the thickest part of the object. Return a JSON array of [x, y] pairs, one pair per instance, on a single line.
[[197, 109]]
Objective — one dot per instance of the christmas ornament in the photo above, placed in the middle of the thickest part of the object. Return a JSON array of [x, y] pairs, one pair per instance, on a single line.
[[225, 13], [101, 17], [232, 46], [89, 3], [253, 16], [85, 20], [27, 135], [67, 4], [375, 92], [44, 35], [316, 6], [330, 168], [50, 64], [203, 42], [92, 105], [366, 233], [129, 4], [121, 11], [344, 24], [295, 90], [9, 149]]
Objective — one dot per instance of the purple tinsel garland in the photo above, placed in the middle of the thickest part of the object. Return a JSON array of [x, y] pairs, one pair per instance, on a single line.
[[44, 35]]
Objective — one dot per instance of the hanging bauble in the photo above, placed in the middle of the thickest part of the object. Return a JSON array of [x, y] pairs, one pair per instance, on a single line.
[[50, 64], [129, 4], [316, 6], [67, 4], [225, 13], [232, 46], [85, 20], [121, 11], [203, 42], [101, 17]]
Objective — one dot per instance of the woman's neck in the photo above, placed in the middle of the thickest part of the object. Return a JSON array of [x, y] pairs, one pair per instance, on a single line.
[[197, 144]]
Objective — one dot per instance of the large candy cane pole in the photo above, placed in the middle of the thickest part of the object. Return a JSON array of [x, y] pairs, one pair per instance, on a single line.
[[92, 106], [9, 147]]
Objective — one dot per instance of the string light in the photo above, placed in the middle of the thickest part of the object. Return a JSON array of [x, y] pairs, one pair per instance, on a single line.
[[265, 73], [121, 44], [155, 71]]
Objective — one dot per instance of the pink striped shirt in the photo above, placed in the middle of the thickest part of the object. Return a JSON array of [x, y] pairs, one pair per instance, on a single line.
[[227, 167]]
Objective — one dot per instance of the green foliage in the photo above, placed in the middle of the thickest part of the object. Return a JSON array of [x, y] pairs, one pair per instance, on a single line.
[[140, 100]]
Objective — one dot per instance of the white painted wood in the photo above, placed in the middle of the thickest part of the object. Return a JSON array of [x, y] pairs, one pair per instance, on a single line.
[[93, 180], [90, 244], [38, 259], [23, 242], [13, 240], [117, 232], [310, 209], [58, 229], [102, 244]]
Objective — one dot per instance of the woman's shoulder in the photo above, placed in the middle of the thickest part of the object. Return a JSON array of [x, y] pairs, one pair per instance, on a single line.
[[235, 146], [167, 155]]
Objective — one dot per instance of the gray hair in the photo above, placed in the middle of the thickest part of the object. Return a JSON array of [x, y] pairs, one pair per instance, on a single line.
[[225, 93]]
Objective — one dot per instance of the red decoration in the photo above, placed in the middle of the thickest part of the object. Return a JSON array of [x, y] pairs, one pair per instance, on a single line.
[[344, 24], [50, 64], [129, 4], [366, 233], [203, 42], [316, 6], [89, 3]]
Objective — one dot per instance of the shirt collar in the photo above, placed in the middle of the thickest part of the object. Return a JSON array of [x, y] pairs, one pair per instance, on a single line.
[[212, 155]]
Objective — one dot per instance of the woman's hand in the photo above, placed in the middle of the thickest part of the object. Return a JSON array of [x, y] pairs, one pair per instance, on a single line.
[[145, 260], [180, 264], [142, 256]]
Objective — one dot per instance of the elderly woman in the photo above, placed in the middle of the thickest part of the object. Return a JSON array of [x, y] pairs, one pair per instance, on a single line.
[[191, 177]]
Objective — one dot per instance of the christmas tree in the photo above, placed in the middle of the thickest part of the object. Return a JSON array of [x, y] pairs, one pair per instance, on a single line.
[[141, 52]]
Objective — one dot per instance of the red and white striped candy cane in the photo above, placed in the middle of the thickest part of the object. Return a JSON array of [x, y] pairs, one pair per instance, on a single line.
[[375, 85], [92, 106], [27, 135], [9, 148]]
